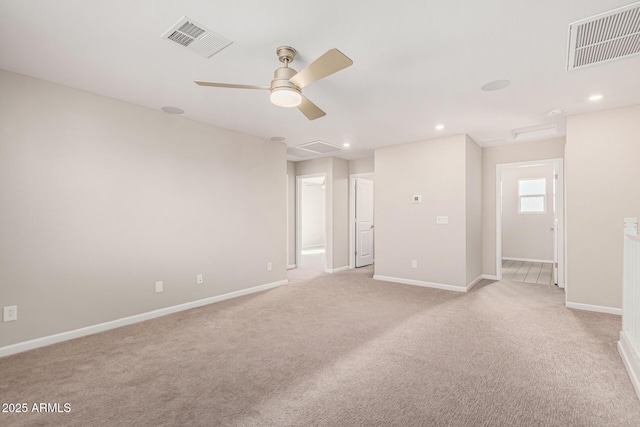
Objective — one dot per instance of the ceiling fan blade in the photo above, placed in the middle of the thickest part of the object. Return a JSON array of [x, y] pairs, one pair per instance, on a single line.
[[202, 83], [330, 62], [310, 110]]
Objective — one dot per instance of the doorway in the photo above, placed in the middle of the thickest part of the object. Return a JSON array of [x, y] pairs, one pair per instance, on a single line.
[[530, 221], [311, 241], [361, 220]]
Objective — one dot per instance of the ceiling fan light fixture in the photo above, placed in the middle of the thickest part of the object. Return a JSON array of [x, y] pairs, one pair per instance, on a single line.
[[285, 97]]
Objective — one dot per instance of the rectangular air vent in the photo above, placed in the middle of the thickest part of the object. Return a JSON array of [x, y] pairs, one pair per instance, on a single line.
[[604, 37], [196, 37], [319, 147]]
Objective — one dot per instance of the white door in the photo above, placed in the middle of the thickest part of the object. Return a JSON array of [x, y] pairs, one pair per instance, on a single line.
[[364, 222]]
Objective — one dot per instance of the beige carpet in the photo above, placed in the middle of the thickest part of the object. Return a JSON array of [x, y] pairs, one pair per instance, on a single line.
[[340, 350]]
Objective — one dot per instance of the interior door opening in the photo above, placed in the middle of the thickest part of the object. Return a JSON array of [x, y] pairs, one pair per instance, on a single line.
[[311, 224], [530, 222]]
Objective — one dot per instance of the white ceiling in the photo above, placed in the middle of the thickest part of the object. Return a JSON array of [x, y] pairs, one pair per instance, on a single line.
[[417, 63]]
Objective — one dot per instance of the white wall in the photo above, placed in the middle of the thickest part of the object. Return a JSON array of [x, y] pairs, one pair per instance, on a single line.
[[602, 173], [100, 199], [407, 231], [527, 236], [492, 156]]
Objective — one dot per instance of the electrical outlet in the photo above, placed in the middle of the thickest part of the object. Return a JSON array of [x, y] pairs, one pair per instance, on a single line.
[[159, 287], [200, 279], [10, 313], [269, 266], [414, 263]]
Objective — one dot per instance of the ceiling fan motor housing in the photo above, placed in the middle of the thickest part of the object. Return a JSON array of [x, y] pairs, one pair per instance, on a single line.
[[281, 79]]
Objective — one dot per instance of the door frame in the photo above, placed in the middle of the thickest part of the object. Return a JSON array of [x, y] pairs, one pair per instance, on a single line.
[[560, 206], [327, 249], [352, 214]]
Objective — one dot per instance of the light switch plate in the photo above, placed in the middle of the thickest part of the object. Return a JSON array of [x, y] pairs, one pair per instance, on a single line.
[[442, 220], [159, 287]]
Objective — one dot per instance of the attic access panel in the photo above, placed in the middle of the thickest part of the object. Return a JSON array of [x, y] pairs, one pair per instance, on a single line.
[[319, 147]]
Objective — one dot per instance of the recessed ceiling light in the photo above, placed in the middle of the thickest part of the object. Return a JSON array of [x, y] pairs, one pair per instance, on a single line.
[[346, 145], [555, 112], [439, 127], [277, 138], [495, 85], [172, 110], [595, 97]]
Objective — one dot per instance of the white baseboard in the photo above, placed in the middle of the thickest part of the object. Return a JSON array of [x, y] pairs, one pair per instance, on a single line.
[[101, 327], [336, 270], [596, 308], [472, 284], [631, 360], [421, 283], [489, 276], [292, 266], [548, 261]]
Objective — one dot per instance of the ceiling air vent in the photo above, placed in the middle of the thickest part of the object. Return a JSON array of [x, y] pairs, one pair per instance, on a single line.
[[605, 37], [319, 147], [196, 37]]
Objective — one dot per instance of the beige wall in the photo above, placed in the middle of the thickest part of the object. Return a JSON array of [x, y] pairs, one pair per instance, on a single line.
[[291, 214], [602, 173], [406, 231], [359, 166], [492, 156], [527, 236], [100, 199], [340, 176], [473, 179]]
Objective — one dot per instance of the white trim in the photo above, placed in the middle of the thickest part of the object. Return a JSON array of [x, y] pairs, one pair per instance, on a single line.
[[421, 283], [596, 308], [631, 361], [292, 266], [101, 327], [336, 270], [352, 214], [546, 261], [481, 277], [472, 284]]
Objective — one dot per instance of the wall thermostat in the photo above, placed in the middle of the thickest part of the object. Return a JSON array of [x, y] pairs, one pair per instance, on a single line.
[[417, 199]]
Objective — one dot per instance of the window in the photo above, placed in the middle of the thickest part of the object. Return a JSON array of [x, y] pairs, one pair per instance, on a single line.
[[532, 195]]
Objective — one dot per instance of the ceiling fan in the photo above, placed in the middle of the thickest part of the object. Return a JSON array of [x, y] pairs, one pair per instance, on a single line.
[[286, 86]]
